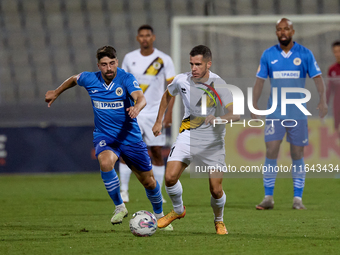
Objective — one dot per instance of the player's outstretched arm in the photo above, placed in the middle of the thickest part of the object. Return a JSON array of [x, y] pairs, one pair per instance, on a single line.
[[257, 94], [162, 108], [320, 86], [139, 98], [168, 115], [230, 116], [52, 95]]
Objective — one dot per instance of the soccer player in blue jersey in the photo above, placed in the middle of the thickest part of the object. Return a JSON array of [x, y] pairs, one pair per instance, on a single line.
[[117, 100], [287, 65]]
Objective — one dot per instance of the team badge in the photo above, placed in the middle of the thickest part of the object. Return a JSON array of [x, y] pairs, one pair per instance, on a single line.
[[258, 69], [136, 84], [119, 91], [156, 65], [297, 61], [317, 66]]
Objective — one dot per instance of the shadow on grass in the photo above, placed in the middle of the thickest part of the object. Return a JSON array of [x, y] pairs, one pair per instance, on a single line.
[[246, 236], [79, 199]]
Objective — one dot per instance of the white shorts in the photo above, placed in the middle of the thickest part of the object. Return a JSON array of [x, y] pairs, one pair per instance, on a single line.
[[188, 151], [146, 123]]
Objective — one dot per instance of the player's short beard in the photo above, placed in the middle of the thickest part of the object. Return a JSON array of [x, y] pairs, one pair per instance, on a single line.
[[206, 70], [200, 78], [110, 79], [146, 46], [286, 42]]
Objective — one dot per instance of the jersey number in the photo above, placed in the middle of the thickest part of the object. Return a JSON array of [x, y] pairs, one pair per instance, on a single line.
[[171, 151], [270, 129]]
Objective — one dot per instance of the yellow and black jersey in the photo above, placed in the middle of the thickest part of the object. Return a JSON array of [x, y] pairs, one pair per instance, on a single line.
[[152, 72]]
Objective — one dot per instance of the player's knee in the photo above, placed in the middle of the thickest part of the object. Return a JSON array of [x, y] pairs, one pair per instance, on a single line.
[[170, 180], [216, 192], [271, 153], [296, 155], [149, 183], [156, 152], [148, 180], [106, 165], [296, 152]]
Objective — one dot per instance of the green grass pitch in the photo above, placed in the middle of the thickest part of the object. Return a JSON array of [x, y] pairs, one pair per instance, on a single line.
[[70, 214]]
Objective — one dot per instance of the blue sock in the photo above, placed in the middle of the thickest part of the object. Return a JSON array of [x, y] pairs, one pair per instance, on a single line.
[[269, 176], [155, 197], [111, 182], [298, 177]]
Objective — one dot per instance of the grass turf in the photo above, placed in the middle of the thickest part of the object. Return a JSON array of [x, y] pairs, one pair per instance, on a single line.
[[70, 214]]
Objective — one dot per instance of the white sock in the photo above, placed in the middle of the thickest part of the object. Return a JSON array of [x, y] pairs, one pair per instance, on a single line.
[[158, 172], [218, 207], [175, 194], [124, 174], [121, 206], [158, 215]]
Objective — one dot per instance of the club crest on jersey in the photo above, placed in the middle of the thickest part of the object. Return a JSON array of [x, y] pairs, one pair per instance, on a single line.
[[156, 65], [317, 66], [297, 61], [136, 84], [119, 91]]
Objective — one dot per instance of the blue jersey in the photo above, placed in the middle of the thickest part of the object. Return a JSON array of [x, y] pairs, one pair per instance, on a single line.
[[109, 104], [287, 70]]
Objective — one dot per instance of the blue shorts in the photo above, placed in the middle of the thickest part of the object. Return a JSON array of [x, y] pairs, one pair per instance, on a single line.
[[297, 135], [133, 154]]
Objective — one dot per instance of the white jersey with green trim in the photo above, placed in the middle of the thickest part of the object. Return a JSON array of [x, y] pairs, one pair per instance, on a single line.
[[215, 96]]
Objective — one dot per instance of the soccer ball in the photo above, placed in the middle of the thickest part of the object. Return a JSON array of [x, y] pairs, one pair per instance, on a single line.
[[143, 223]]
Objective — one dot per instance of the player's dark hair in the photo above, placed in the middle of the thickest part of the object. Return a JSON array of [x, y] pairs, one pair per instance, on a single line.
[[106, 51], [147, 27], [201, 50], [336, 43]]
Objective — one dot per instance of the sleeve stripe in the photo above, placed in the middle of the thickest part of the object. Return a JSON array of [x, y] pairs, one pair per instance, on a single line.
[[261, 77], [171, 78], [316, 75], [228, 105], [169, 93], [78, 76]]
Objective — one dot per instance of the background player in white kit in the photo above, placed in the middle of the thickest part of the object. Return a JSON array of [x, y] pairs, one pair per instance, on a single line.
[[153, 70], [199, 142]]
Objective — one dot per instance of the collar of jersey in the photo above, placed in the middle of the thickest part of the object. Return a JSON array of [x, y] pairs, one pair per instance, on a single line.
[[107, 87], [151, 55], [192, 82], [289, 53]]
